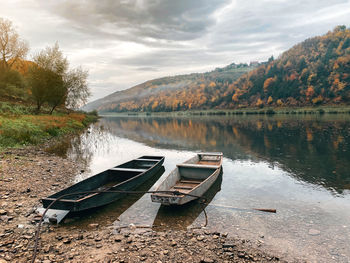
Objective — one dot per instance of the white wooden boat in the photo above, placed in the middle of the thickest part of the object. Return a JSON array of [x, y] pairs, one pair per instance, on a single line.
[[194, 177]]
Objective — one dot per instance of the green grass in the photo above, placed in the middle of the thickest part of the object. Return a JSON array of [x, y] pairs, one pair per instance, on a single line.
[[19, 127]]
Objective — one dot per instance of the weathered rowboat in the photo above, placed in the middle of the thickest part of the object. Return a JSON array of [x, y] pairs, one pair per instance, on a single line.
[[124, 177], [193, 177]]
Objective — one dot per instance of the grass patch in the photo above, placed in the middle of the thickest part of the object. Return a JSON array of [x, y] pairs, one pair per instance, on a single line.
[[17, 131]]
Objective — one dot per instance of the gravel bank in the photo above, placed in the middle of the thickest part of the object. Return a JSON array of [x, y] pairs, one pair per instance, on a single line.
[[28, 174]]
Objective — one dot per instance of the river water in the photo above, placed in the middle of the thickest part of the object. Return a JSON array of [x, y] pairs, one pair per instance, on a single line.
[[297, 164]]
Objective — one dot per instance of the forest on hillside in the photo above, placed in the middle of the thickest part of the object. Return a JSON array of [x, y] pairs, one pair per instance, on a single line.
[[314, 72]]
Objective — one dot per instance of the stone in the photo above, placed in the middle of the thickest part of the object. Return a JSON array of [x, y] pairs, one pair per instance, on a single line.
[[3, 212], [200, 238], [207, 260], [227, 245], [118, 238], [314, 232], [67, 241], [93, 225]]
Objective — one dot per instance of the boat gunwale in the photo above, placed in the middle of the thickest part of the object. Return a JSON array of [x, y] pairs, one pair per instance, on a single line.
[[216, 169], [157, 161]]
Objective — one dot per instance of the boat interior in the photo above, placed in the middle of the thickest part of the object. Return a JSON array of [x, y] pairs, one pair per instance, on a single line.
[[190, 177], [110, 178], [195, 171], [209, 159]]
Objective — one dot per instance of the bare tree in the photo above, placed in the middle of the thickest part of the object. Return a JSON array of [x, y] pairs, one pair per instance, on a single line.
[[12, 47], [77, 88], [51, 58]]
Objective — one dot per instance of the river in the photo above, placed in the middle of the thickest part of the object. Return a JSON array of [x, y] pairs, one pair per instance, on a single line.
[[297, 164]]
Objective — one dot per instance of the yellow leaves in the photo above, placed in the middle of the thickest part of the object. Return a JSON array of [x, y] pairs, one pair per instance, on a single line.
[[310, 91], [317, 100], [279, 102], [212, 84], [154, 105], [269, 100], [267, 83], [259, 103], [235, 97]]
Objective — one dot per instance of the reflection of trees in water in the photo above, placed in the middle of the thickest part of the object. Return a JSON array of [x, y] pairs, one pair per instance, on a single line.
[[313, 149], [81, 148]]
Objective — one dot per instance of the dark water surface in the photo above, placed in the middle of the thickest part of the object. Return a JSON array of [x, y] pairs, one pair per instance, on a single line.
[[299, 165]]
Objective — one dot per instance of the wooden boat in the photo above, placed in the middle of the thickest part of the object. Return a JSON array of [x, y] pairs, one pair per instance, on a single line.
[[180, 217], [195, 176], [127, 176]]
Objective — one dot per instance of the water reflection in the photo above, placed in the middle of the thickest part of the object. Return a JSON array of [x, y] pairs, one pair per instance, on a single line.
[[313, 149], [297, 165], [106, 215], [181, 217]]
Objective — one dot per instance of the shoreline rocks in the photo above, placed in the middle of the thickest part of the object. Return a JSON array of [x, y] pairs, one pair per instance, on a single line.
[[28, 174]]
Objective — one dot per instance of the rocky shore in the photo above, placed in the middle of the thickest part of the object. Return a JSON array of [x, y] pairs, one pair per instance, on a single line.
[[28, 174]]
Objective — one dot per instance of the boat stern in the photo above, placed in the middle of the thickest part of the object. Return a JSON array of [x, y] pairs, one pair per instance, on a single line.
[[166, 199]]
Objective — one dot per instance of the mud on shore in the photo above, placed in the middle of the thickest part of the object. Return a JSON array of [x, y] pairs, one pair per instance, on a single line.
[[26, 175]]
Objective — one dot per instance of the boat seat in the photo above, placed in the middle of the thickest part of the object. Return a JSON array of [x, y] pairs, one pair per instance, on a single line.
[[128, 169], [190, 165], [183, 187], [190, 181], [149, 160], [210, 154]]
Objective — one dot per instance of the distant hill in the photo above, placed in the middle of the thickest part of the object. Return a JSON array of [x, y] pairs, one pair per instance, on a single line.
[[193, 91], [314, 72]]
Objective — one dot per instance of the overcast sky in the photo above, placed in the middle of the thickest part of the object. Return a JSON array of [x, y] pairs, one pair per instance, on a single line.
[[126, 42]]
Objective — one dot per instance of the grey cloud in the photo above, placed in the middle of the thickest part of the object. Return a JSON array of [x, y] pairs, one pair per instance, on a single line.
[[171, 36], [157, 19]]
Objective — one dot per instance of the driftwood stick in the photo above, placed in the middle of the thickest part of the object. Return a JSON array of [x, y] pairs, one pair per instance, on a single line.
[[269, 210]]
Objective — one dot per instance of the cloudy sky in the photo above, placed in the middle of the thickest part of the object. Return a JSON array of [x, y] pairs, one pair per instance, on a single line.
[[126, 42]]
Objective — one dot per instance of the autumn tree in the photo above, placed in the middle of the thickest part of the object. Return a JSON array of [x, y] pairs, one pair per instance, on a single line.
[[12, 47], [77, 87], [42, 80], [69, 88]]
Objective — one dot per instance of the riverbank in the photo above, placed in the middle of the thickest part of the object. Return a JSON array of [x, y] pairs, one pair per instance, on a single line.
[[26, 175], [344, 109], [20, 127]]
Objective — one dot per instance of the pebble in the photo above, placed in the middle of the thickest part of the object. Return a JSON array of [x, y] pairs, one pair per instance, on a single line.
[[3, 212], [207, 260], [200, 238], [314, 232], [76, 244]]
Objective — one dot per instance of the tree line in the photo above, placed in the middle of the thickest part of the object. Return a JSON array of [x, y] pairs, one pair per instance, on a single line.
[[47, 79], [314, 72]]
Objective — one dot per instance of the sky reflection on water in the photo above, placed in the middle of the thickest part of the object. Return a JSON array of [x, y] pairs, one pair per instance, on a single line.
[[297, 165]]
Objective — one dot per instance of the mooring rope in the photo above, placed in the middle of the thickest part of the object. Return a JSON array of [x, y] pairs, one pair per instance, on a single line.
[[176, 193]]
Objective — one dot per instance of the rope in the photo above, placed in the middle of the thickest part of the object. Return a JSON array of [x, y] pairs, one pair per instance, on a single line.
[[37, 233]]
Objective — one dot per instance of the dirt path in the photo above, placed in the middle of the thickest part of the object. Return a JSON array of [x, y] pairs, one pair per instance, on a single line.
[[28, 174]]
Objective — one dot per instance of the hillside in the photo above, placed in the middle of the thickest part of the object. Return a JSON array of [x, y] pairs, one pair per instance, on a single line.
[[314, 72], [181, 92]]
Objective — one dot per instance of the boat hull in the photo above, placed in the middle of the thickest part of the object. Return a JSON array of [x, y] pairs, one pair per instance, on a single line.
[[193, 169], [128, 179]]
